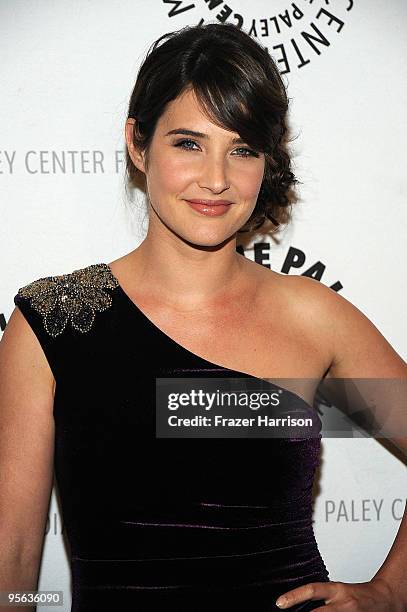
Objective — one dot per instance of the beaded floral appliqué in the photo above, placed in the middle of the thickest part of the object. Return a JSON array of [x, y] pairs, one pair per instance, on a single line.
[[73, 297]]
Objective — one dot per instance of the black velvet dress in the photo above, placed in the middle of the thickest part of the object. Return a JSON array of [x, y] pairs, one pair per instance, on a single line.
[[162, 523]]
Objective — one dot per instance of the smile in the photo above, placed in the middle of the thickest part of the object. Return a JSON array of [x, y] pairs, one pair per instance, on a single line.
[[209, 209]]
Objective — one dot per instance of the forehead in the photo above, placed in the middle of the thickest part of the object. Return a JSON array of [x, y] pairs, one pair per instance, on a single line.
[[186, 105], [186, 111]]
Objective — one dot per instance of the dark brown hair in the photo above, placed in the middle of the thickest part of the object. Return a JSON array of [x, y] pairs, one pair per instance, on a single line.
[[239, 87]]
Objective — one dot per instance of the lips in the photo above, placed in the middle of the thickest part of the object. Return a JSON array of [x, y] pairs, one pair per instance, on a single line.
[[211, 202], [210, 208]]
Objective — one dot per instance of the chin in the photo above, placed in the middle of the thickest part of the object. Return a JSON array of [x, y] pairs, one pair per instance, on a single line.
[[207, 238]]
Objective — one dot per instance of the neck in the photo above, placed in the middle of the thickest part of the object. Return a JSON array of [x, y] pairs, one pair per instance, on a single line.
[[185, 274]]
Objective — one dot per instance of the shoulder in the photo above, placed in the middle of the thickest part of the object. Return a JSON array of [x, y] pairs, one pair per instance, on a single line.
[[358, 347], [301, 296], [70, 299], [310, 294]]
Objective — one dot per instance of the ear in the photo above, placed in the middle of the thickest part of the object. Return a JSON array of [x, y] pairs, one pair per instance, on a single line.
[[137, 157]]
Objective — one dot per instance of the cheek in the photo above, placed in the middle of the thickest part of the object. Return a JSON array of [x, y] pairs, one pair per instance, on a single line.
[[171, 176], [248, 181]]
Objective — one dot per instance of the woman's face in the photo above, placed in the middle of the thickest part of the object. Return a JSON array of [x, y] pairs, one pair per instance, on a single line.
[[210, 167]]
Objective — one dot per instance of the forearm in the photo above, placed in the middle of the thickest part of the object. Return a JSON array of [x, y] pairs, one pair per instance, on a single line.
[[17, 576], [394, 568]]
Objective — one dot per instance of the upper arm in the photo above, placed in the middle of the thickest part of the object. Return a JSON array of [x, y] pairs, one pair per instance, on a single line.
[[359, 349], [366, 372], [27, 389]]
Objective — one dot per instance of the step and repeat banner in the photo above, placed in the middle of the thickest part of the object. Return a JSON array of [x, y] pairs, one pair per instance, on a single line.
[[67, 70]]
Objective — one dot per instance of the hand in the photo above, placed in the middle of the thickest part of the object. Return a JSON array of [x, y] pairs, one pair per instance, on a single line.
[[375, 595]]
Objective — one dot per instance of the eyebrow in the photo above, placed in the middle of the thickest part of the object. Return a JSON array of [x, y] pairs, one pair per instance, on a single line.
[[187, 132]]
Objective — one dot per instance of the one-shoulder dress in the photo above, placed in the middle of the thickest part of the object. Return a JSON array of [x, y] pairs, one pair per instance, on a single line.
[[153, 521]]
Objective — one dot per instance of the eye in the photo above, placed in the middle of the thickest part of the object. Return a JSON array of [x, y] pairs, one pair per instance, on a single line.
[[183, 144], [249, 152]]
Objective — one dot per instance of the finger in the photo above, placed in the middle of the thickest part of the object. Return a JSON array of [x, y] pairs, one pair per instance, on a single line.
[[305, 607], [312, 590]]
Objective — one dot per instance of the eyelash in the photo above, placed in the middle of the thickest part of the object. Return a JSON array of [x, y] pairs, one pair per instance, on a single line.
[[181, 143]]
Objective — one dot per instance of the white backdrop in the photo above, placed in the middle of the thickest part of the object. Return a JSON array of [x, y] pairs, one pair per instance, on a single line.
[[67, 70]]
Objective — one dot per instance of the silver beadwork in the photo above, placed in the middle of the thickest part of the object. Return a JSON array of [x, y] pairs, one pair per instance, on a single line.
[[71, 297]]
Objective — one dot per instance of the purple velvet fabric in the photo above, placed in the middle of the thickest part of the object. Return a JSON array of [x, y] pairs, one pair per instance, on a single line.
[[170, 523]]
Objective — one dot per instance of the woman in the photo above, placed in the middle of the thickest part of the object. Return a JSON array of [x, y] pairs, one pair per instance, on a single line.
[[198, 521]]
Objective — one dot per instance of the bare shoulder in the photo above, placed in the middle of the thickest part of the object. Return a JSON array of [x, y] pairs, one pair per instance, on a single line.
[[309, 293], [359, 349], [301, 296]]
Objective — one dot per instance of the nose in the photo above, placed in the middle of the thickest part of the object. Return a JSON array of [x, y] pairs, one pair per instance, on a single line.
[[214, 176]]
